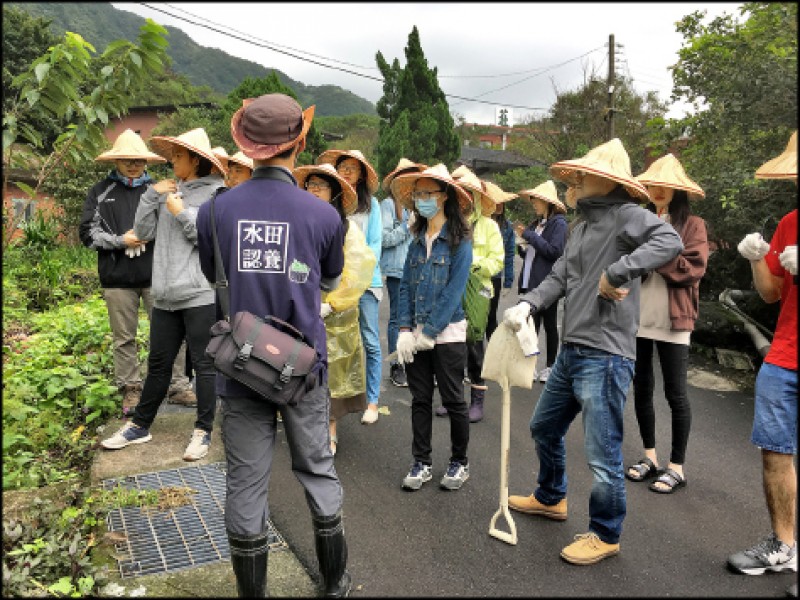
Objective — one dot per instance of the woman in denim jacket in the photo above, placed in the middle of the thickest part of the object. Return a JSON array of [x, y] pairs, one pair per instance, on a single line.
[[433, 328]]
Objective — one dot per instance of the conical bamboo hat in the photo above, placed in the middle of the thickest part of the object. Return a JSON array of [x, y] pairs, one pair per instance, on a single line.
[[783, 166], [667, 171]]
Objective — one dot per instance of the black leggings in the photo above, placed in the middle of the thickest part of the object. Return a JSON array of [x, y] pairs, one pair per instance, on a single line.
[[674, 360], [550, 317]]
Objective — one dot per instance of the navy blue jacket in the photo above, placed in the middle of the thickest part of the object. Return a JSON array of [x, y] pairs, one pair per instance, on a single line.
[[549, 247]]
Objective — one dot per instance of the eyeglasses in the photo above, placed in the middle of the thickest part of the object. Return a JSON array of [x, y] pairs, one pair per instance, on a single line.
[[133, 162], [425, 195], [346, 169], [317, 185]]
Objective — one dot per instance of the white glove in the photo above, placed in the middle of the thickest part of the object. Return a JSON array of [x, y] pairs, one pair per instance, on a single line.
[[753, 247], [788, 259], [529, 339], [405, 347], [130, 252], [411, 219], [325, 309], [424, 343], [516, 316]]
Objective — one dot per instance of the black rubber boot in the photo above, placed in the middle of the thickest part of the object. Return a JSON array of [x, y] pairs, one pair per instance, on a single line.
[[332, 556], [249, 560]]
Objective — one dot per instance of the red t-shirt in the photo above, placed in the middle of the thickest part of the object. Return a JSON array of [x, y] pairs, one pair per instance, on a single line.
[[783, 351]]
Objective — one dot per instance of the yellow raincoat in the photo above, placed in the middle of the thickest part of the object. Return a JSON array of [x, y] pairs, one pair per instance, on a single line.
[[346, 371]]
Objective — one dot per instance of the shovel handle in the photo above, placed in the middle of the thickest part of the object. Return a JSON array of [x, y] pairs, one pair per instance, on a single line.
[[509, 538]]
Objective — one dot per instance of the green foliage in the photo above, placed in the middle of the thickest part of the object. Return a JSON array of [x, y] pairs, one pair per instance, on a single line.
[[171, 88], [55, 391], [80, 92], [416, 121], [68, 185], [743, 74], [40, 231], [25, 38], [39, 277], [185, 119], [576, 123]]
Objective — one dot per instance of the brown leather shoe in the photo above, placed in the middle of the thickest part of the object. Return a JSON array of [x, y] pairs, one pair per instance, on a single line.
[[183, 397], [531, 506], [588, 549]]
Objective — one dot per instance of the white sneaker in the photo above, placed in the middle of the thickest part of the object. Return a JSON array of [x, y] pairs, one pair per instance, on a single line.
[[544, 375], [418, 475], [128, 434], [198, 445], [370, 416]]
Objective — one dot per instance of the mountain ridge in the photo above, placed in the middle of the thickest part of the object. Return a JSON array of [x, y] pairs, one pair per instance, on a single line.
[[100, 23]]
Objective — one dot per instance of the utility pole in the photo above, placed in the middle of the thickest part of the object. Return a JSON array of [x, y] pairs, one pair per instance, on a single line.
[[609, 118]]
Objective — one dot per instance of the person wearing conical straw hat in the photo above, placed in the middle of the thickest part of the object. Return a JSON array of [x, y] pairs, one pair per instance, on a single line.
[[542, 245], [222, 157], [615, 243], [504, 279], [124, 265], [347, 385], [281, 247], [183, 300], [774, 267], [360, 174], [240, 169], [395, 240], [433, 327], [488, 255], [669, 304]]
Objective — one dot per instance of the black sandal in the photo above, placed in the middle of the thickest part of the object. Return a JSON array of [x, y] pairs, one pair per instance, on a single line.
[[644, 467], [671, 479]]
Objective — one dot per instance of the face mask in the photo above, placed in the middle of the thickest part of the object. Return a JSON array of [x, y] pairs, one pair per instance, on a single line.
[[427, 208]]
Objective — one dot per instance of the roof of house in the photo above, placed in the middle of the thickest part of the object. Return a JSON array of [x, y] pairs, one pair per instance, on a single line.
[[484, 160]]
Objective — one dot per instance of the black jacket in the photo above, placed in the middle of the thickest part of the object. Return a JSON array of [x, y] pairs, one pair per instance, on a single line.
[[549, 247], [107, 214]]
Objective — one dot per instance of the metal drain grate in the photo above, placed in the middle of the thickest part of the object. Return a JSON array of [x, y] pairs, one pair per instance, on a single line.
[[160, 541]]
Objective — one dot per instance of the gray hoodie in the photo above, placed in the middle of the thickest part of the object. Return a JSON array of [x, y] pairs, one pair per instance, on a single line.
[[624, 240], [178, 282]]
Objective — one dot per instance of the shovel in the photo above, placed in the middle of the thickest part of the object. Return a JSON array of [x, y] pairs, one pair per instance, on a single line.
[[505, 363]]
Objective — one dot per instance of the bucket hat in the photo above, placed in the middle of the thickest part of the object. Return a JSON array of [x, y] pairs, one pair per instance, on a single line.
[[240, 159], [331, 156], [472, 184], [668, 171], [129, 145], [403, 185], [545, 191], [403, 165], [608, 160], [270, 124], [349, 196], [195, 140], [783, 166]]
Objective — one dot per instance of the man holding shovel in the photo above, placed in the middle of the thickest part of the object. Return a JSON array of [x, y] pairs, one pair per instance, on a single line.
[[614, 243]]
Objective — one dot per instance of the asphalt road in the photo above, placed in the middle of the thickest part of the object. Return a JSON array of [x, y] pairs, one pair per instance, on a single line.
[[435, 543]]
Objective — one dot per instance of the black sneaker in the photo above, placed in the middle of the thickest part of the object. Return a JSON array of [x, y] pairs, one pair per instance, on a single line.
[[397, 375]]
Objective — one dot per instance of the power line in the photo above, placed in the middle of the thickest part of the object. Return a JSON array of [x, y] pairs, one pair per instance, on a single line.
[[273, 47]]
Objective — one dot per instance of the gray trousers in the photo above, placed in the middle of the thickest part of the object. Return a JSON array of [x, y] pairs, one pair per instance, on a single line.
[[249, 429], [122, 305]]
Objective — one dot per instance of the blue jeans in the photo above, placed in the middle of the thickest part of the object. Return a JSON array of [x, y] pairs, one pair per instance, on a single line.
[[392, 331], [370, 336], [596, 382], [775, 417]]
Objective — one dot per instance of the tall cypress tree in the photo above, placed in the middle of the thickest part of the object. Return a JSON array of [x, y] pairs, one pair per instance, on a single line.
[[415, 116]]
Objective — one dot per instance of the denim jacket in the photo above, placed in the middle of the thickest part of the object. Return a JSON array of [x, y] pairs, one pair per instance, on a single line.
[[432, 288], [395, 241]]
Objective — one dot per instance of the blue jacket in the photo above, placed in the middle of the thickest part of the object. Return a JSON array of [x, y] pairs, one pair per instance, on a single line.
[[549, 247], [432, 288], [507, 231], [395, 241]]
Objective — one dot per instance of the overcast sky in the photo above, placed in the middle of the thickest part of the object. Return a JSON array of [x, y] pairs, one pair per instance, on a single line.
[[511, 55]]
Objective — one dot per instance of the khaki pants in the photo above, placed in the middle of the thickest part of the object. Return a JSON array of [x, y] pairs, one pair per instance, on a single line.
[[123, 315]]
